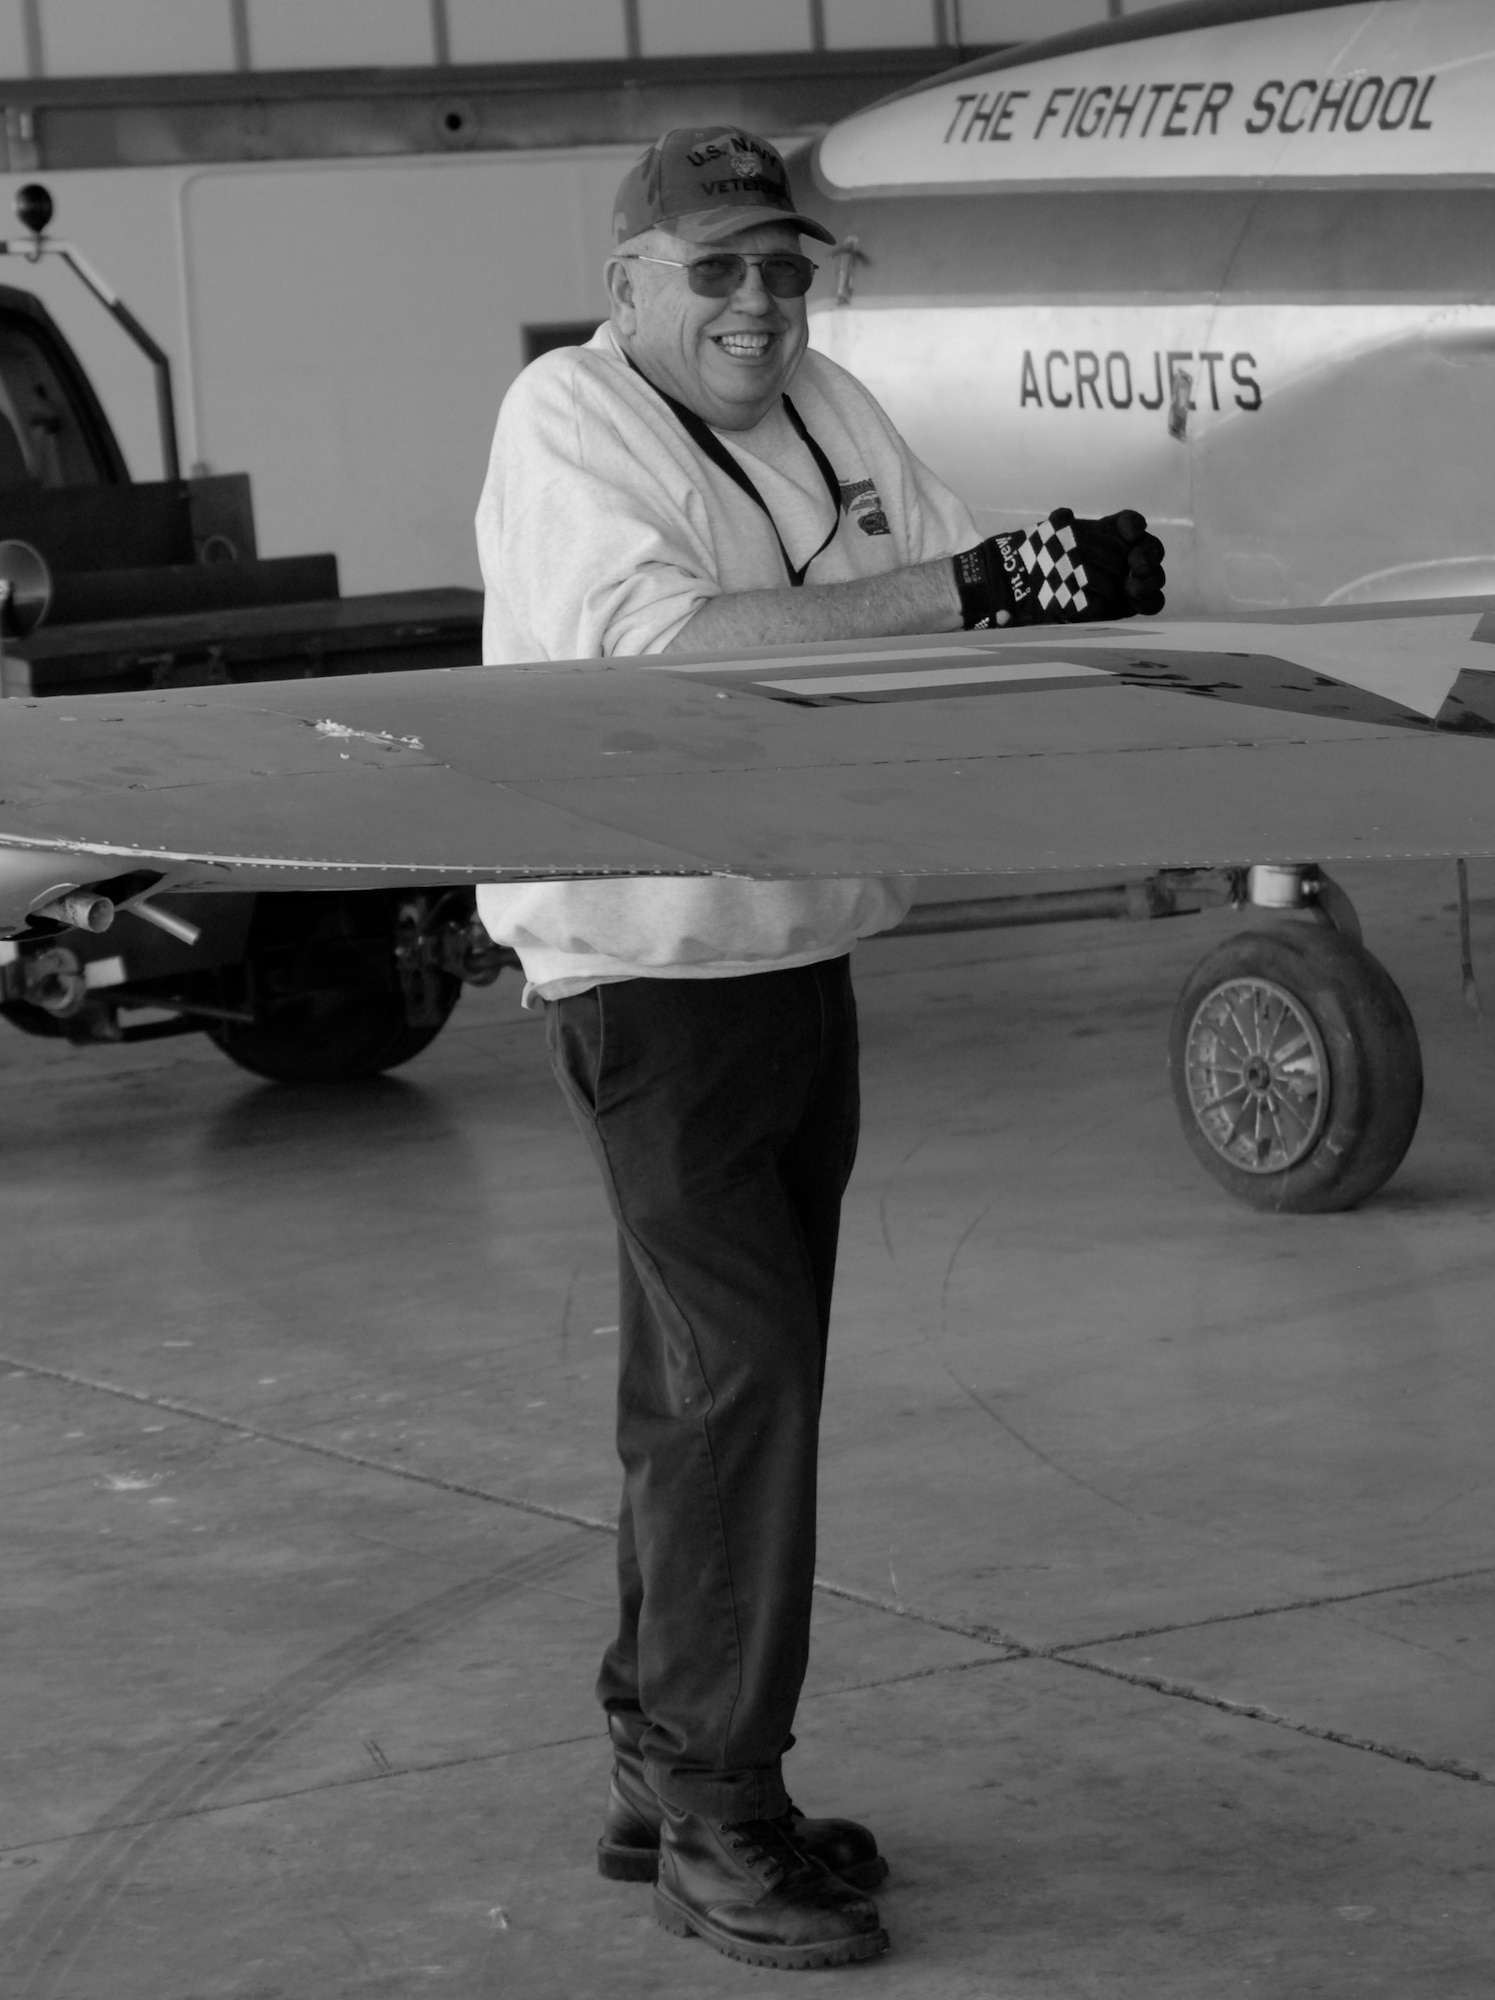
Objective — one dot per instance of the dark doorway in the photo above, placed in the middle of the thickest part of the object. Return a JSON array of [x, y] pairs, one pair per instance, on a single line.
[[539, 340]]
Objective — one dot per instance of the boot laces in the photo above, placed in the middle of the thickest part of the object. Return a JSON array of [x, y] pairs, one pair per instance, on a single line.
[[761, 1844]]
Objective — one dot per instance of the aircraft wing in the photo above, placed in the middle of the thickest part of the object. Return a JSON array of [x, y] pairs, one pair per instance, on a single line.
[[1293, 736]]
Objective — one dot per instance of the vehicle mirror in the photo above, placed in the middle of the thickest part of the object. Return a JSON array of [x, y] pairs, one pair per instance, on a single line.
[[33, 207]]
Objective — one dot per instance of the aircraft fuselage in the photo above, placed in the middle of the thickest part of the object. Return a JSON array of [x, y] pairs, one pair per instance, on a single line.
[[1240, 275]]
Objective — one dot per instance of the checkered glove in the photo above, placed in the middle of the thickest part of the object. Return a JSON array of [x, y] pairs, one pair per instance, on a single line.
[[1062, 571]]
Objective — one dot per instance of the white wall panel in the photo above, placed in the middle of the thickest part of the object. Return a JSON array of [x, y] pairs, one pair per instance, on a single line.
[[355, 325], [711, 27], [334, 34], [1019, 20], [135, 37], [12, 39], [548, 31], [878, 24]]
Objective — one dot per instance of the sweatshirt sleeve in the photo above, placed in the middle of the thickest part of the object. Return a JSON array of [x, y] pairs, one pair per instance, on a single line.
[[930, 520], [592, 542], [938, 522]]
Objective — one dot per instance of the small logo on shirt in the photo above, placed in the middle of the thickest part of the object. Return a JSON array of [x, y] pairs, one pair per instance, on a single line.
[[860, 503]]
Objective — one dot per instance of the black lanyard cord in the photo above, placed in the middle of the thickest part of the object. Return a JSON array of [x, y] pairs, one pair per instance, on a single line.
[[701, 434]]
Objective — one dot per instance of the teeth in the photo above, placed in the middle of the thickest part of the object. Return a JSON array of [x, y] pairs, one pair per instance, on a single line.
[[745, 344]]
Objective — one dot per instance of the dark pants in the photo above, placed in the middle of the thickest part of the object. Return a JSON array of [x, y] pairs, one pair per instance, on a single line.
[[723, 1116]]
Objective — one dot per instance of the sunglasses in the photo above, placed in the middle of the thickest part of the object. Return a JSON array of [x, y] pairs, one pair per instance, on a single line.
[[719, 274]]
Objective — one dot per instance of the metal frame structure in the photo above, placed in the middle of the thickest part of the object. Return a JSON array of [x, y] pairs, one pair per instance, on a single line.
[[130, 121]]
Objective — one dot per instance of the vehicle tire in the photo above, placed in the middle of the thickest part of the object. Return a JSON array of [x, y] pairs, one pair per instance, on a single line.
[[330, 1037], [30, 1019], [322, 981], [1295, 1069]]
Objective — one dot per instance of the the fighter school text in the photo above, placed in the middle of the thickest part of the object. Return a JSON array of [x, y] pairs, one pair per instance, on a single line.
[[1344, 104]]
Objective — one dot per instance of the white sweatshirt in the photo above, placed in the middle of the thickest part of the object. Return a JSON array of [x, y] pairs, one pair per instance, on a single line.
[[601, 530]]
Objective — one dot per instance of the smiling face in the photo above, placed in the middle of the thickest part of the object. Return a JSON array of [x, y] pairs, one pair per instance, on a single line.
[[729, 359]]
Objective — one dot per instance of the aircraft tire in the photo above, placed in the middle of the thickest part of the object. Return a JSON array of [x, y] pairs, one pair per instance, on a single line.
[[331, 1038], [1296, 1070]]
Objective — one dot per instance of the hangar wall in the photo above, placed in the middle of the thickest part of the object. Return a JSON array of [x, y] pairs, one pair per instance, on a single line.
[[344, 327]]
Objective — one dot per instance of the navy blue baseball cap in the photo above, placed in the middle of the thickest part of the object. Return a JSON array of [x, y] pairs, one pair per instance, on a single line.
[[703, 183]]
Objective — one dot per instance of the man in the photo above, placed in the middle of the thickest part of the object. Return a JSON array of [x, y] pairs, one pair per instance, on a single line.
[[662, 490]]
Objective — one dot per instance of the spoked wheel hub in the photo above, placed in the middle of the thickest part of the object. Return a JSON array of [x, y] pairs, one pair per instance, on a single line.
[[1295, 1069], [1257, 1077]]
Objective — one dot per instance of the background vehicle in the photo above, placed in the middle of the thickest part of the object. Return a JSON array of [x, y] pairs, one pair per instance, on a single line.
[[113, 584]]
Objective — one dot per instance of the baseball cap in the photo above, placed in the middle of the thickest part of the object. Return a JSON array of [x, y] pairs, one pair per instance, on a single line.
[[706, 182]]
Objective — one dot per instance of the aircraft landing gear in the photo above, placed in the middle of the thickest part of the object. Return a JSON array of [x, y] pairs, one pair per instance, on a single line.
[[1295, 1069], [1293, 1058]]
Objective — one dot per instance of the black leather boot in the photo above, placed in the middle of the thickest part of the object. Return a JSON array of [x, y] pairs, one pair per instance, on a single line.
[[629, 1848], [753, 1893]]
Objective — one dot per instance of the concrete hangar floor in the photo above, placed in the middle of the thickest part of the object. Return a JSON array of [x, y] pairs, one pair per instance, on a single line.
[[1158, 1624]]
